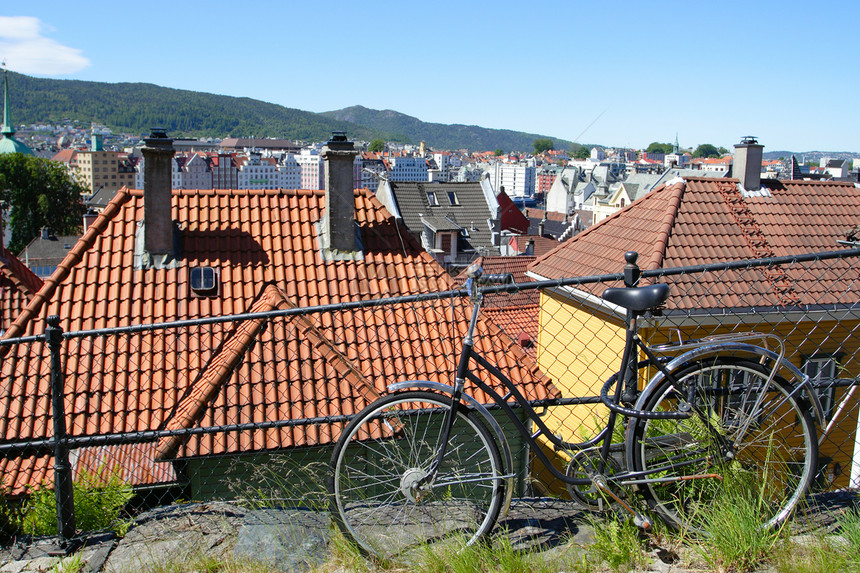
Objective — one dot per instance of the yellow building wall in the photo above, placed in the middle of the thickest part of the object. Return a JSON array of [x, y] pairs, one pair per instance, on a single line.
[[805, 339], [579, 350]]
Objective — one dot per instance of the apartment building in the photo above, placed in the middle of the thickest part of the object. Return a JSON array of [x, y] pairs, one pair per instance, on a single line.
[[97, 168], [517, 179], [407, 168]]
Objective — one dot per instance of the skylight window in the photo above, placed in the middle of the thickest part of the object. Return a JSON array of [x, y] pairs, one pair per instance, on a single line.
[[203, 281], [431, 199], [452, 197]]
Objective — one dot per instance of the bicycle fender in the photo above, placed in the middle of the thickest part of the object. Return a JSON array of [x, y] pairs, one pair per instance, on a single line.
[[485, 414], [736, 347]]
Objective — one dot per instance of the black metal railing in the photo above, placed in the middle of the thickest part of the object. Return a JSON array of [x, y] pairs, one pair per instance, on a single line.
[[297, 345]]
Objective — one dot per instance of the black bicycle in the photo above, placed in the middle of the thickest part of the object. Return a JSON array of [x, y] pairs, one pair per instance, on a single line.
[[427, 462]]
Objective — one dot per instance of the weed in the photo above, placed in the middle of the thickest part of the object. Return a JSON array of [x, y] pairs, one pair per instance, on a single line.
[[72, 564], [280, 481], [10, 515], [617, 543], [815, 554], [734, 539], [849, 526], [99, 499], [497, 556]]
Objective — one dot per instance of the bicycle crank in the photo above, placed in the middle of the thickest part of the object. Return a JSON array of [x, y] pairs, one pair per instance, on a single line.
[[639, 520]]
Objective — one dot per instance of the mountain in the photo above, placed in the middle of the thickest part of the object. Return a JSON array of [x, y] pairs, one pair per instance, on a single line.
[[438, 135], [137, 107]]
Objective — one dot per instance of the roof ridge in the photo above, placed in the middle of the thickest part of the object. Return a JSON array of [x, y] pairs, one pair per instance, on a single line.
[[203, 390], [71, 259], [655, 261]]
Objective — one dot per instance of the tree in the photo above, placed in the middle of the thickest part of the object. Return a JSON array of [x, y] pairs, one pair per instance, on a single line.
[[38, 193], [499, 152], [376, 146], [706, 150], [657, 147], [582, 152], [541, 145]]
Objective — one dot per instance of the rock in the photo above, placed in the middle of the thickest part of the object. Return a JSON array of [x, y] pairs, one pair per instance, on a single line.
[[177, 534], [289, 540]]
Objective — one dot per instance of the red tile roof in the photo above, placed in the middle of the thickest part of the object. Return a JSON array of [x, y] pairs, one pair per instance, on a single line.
[[263, 245], [542, 245], [700, 221], [18, 284]]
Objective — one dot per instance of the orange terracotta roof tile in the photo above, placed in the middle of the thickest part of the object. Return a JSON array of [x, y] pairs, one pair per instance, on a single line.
[[700, 221], [263, 245]]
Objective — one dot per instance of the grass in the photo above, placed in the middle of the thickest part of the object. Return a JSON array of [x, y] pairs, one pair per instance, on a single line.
[[734, 539]]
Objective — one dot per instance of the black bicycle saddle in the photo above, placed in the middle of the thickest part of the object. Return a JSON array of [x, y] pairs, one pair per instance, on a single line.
[[638, 299]]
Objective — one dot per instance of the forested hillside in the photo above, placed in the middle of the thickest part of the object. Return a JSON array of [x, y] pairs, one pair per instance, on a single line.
[[136, 107], [440, 135]]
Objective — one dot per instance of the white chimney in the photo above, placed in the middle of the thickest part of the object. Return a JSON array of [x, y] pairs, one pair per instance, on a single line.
[[157, 191], [338, 231], [746, 164]]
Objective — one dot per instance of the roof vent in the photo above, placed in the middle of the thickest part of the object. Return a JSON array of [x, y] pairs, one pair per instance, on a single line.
[[203, 281]]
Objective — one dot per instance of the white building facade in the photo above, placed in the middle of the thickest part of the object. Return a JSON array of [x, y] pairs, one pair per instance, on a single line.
[[517, 179]]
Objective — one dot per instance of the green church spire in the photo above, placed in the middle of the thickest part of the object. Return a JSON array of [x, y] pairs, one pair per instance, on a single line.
[[8, 144], [8, 130]]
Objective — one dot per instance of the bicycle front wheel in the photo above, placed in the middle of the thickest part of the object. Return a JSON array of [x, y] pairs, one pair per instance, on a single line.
[[748, 440], [382, 495]]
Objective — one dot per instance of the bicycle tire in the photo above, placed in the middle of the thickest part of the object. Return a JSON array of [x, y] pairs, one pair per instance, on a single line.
[[772, 464], [390, 445]]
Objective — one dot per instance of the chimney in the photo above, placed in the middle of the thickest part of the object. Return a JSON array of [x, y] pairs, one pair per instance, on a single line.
[[338, 224], [747, 163], [157, 190], [89, 218]]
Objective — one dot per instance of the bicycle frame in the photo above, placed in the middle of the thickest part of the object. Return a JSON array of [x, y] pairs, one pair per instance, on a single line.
[[626, 382], [624, 400]]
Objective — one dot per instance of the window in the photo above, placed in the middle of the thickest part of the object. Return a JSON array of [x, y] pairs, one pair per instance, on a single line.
[[822, 370], [431, 199], [203, 281], [445, 241], [452, 197]]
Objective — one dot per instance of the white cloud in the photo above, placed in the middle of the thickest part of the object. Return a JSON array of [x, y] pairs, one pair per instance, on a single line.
[[26, 50]]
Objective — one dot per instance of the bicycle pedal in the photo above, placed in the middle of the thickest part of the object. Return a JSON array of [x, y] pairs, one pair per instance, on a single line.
[[641, 521]]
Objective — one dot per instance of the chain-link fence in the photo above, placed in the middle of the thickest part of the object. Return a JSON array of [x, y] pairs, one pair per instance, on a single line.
[[247, 408]]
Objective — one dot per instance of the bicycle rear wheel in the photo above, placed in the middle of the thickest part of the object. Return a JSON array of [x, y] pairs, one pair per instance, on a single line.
[[375, 489], [729, 447]]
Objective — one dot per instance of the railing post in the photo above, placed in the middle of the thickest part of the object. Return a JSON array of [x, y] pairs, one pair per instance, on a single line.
[[631, 269], [62, 468]]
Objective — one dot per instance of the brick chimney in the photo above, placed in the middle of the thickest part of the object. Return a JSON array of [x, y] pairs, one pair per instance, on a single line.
[[746, 165], [338, 231], [157, 190]]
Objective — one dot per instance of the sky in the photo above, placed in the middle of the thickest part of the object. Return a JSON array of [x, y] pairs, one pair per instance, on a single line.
[[603, 72]]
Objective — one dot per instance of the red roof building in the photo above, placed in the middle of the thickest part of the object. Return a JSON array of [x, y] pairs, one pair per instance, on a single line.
[[263, 248], [18, 284]]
